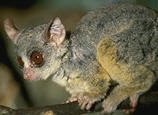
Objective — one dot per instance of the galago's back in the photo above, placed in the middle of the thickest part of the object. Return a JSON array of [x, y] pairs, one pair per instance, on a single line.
[[133, 29]]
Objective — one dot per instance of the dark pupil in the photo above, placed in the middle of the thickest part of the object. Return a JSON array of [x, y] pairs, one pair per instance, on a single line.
[[36, 58], [20, 62]]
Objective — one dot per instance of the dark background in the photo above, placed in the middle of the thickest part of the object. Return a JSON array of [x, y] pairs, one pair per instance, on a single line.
[[22, 93]]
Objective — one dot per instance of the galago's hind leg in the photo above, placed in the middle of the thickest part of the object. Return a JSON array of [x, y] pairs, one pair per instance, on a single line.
[[131, 90]]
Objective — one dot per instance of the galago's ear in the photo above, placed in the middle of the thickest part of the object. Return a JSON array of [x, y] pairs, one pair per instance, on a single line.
[[11, 29], [55, 32]]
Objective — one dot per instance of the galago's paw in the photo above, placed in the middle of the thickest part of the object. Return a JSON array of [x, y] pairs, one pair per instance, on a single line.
[[72, 99], [109, 106], [85, 100]]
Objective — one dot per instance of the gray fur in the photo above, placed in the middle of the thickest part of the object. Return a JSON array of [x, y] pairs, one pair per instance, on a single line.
[[33, 39], [135, 33]]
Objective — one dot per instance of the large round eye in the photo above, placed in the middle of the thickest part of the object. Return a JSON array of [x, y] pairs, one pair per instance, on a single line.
[[36, 58], [20, 61]]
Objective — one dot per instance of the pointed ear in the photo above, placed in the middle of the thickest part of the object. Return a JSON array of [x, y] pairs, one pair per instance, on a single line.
[[10, 29], [55, 32]]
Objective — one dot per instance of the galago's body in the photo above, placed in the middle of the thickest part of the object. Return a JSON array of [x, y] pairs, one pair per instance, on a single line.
[[116, 43]]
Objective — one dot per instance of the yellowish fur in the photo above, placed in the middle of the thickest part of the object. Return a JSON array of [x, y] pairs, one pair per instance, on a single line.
[[94, 85]]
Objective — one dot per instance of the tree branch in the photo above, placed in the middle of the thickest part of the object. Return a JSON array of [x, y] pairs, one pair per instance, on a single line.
[[145, 101]]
